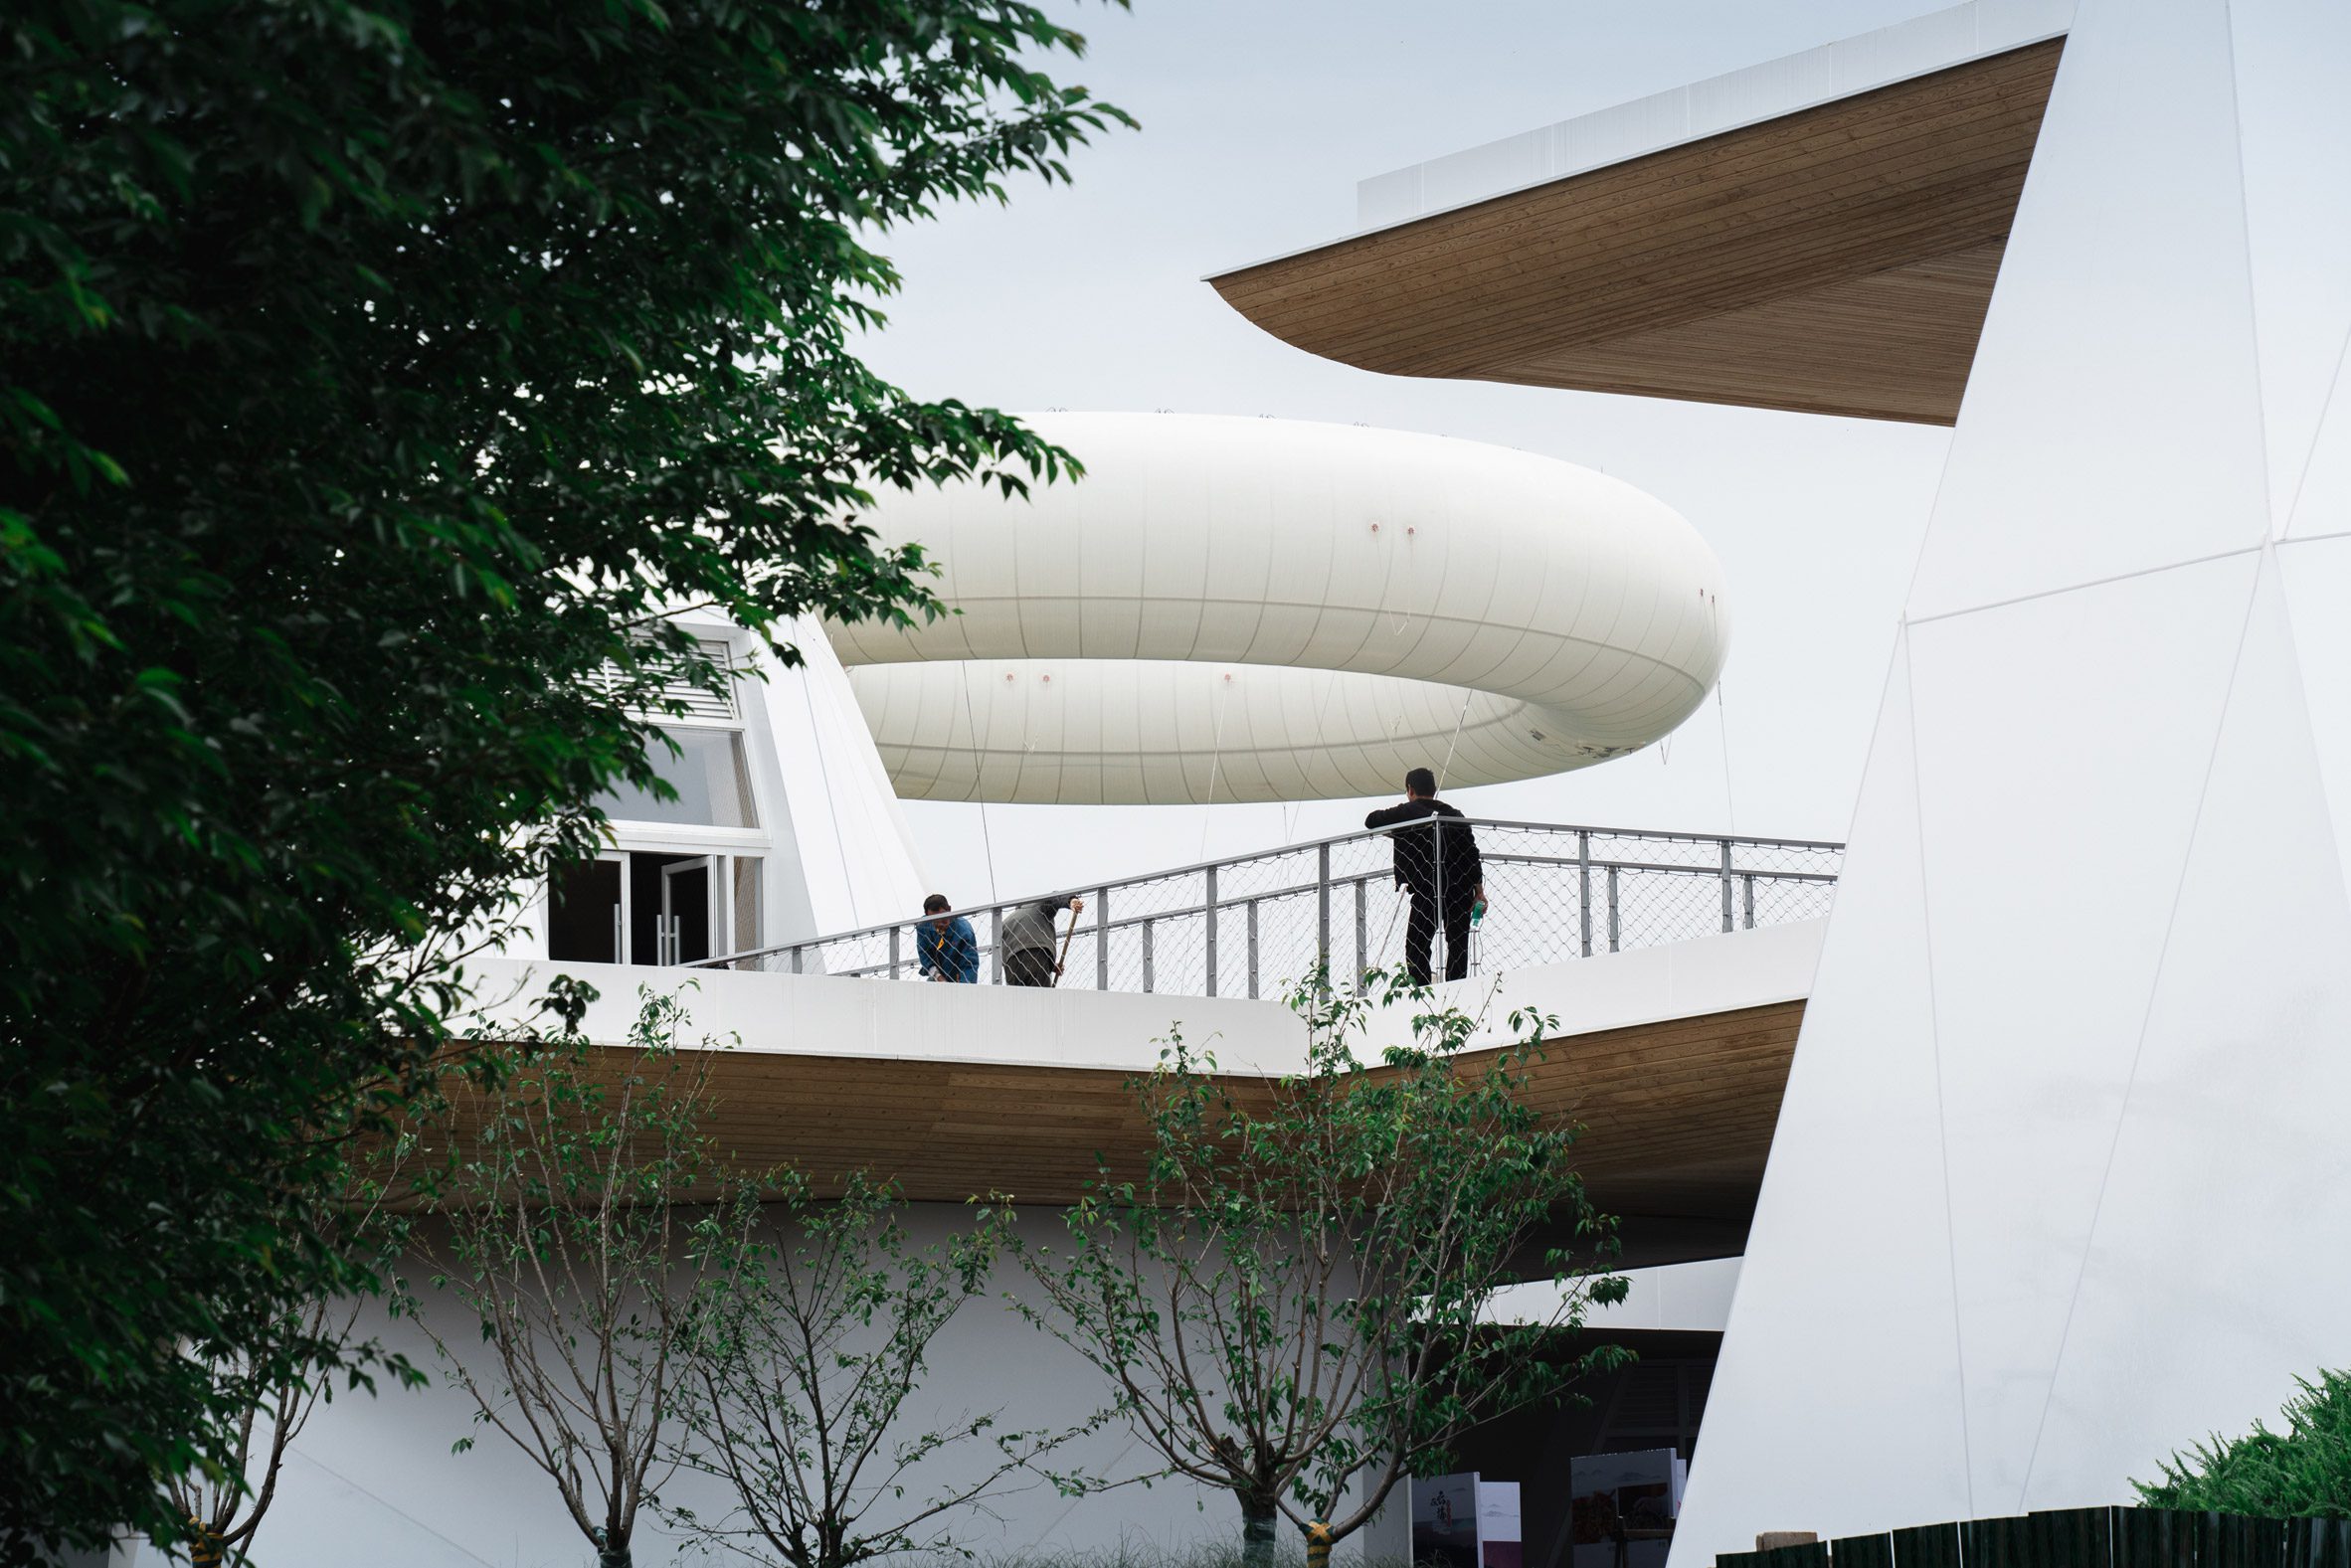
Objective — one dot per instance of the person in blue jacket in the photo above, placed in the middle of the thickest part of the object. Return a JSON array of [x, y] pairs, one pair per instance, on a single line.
[[944, 945]]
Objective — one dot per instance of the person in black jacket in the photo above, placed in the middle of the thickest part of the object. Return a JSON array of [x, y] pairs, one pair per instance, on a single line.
[[1438, 865]]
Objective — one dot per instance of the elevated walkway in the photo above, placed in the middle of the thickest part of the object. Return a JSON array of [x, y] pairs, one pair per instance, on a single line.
[[1672, 1058]]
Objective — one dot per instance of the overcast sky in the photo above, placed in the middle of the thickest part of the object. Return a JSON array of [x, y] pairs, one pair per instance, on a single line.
[[1258, 118]]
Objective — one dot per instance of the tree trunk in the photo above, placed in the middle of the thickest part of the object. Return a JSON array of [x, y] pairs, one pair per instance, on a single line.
[[610, 1556], [1260, 1521]]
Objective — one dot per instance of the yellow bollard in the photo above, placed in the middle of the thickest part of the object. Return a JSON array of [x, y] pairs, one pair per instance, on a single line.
[[1317, 1545]]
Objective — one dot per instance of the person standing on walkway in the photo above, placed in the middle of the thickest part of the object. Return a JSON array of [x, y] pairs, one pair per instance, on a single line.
[[1437, 864], [1029, 939], [945, 945]]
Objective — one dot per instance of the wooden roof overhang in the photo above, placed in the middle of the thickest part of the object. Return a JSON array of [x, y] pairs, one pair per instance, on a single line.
[[1677, 1118], [1838, 260]]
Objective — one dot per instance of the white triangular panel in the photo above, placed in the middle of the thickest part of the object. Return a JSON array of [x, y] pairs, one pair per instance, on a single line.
[[856, 854], [2294, 118], [1849, 1247], [2230, 1162], [2317, 580], [2063, 746], [2112, 422]]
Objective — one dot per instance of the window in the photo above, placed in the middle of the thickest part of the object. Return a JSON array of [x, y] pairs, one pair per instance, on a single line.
[[653, 907], [710, 776]]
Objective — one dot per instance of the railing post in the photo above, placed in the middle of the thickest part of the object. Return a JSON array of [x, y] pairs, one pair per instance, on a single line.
[[1727, 925], [796, 962], [894, 929], [1252, 907], [1322, 907], [1147, 974], [1612, 947], [1363, 929], [995, 942], [1583, 885], [1747, 892], [1211, 906], [1102, 939]]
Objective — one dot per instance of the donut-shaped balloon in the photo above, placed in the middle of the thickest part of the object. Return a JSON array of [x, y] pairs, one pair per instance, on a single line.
[[1235, 610]]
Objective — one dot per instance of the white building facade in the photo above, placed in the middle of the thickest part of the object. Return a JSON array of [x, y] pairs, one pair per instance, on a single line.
[[2059, 1184]]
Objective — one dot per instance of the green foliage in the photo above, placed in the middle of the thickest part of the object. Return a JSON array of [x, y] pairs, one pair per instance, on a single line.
[[804, 1364], [1298, 1295], [2302, 1472], [374, 378], [562, 1226]]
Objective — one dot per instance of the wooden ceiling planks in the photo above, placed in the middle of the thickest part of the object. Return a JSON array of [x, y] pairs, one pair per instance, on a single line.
[[1835, 261], [1677, 1115]]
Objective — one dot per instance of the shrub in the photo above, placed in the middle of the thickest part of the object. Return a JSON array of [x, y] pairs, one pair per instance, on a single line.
[[2304, 1471]]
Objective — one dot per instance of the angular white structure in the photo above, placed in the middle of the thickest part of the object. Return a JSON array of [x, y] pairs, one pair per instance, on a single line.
[[1263, 610], [2061, 1181]]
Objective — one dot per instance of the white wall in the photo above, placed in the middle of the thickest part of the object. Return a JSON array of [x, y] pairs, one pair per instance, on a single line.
[[2060, 1183], [373, 1482]]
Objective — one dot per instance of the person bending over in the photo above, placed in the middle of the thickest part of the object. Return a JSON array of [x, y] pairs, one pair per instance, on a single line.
[[1030, 940], [1437, 865], [944, 945]]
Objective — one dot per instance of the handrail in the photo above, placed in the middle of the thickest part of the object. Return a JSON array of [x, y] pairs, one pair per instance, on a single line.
[[1725, 869]]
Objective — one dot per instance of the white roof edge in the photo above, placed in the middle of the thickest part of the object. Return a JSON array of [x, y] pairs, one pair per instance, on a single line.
[[762, 1013], [1753, 96]]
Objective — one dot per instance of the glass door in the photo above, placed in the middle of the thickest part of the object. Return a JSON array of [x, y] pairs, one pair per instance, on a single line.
[[588, 912], [688, 887]]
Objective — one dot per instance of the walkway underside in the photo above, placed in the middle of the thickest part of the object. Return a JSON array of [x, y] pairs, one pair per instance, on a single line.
[[1677, 1114]]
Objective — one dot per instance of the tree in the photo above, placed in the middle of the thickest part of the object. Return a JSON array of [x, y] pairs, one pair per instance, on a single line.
[[2302, 1472], [565, 1229], [369, 1220], [1298, 1295], [374, 379], [808, 1365]]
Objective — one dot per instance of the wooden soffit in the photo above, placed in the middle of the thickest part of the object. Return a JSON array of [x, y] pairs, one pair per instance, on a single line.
[[1838, 260], [1676, 1119]]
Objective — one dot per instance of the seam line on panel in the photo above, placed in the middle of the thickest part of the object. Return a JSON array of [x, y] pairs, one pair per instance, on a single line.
[[2171, 921], [2334, 384], [2077, 587], [2312, 539], [390, 1507], [1934, 1035], [2252, 307]]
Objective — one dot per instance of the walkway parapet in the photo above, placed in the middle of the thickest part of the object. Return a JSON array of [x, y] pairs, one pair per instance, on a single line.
[[1254, 925]]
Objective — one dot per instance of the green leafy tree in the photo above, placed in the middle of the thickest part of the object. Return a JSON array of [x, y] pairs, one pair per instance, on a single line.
[[564, 1228], [2302, 1472], [374, 379], [1296, 1303], [809, 1369]]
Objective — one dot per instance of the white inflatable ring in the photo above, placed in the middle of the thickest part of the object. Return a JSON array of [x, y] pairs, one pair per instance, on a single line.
[[1260, 610]]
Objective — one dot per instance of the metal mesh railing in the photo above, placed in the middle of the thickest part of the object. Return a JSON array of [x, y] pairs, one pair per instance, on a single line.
[[1255, 925]]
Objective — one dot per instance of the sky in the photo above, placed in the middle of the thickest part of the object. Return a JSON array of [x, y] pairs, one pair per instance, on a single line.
[[1258, 118]]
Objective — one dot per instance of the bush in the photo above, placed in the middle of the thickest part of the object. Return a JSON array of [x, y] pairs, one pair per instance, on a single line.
[[2302, 1472]]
